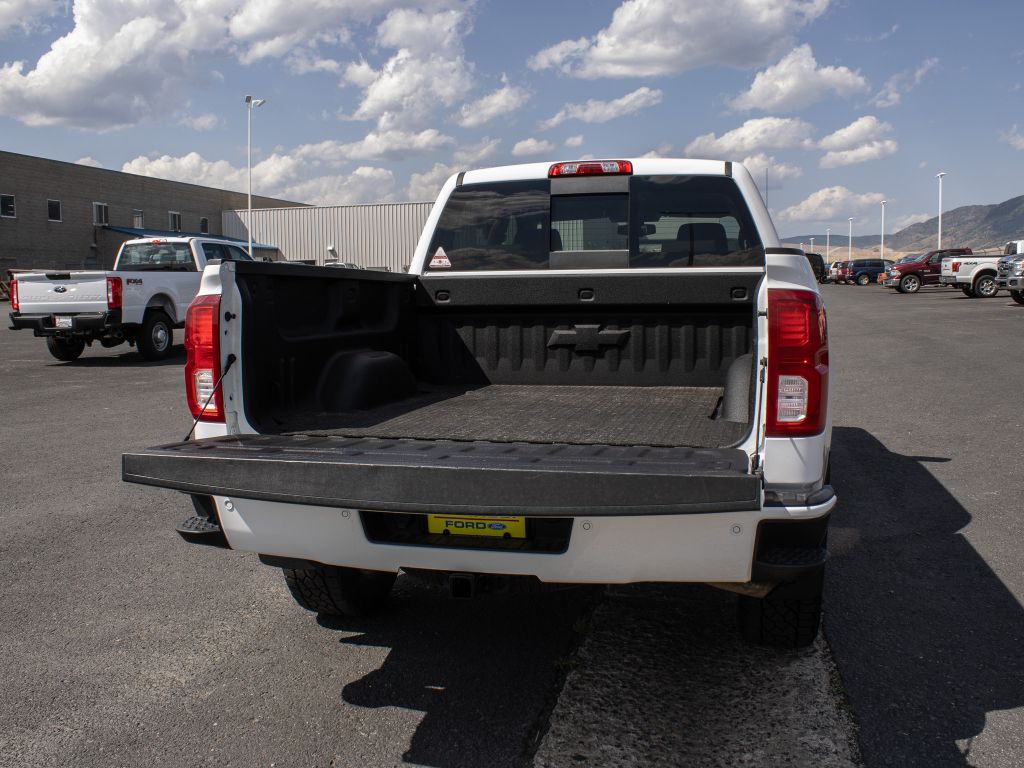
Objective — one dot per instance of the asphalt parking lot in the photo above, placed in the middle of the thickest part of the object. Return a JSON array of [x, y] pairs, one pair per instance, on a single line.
[[121, 645]]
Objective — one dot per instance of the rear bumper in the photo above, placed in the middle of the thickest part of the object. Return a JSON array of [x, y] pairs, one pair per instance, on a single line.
[[948, 280], [92, 323]]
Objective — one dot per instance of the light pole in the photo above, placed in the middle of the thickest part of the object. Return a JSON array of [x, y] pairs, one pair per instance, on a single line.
[[881, 247], [828, 245], [939, 176], [849, 246], [812, 245], [251, 104]]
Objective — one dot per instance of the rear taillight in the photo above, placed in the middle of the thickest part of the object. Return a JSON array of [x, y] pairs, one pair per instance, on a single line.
[[797, 364], [955, 266], [113, 293], [15, 305], [202, 367], [592, 168]]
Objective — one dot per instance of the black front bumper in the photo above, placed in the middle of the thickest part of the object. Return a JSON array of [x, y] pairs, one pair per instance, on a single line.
[[447, 476], [91, 323]]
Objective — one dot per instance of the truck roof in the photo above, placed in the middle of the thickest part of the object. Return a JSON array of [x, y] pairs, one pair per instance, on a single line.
[[652, 166]]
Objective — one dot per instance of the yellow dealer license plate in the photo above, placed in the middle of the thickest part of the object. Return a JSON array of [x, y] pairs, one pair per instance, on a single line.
[[465, 525]]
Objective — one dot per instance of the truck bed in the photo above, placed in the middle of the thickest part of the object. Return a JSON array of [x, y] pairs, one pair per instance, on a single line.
[[502, 413]]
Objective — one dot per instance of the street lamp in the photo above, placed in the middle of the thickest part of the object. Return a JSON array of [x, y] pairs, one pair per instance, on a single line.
[[828, 245], [849, 246], [881, 248], [939, 176], [251, 104], [812, 245]]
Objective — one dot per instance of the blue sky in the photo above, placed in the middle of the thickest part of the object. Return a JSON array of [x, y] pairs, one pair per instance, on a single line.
[[845, 103]]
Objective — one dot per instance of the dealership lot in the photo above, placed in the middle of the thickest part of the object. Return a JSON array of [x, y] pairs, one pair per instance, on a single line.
[[124, 646]]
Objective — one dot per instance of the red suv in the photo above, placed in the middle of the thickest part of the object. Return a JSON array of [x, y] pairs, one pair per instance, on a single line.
[[908, 276]]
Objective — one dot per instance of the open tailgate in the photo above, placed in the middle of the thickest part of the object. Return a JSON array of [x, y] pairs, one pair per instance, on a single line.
[[406, 475]]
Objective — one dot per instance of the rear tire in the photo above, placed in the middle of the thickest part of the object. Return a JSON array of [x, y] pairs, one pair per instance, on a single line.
[[985, 287], [155, 336], [336, 591], [968, 291], [789, 617], [863, 279], [1017, 296], [65, 350]]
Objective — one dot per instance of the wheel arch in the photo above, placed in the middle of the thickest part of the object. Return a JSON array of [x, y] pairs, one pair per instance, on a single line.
[[163, 302]]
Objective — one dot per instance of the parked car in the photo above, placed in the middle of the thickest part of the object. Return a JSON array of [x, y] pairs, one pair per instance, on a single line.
[[140, 302], [500, 412], [817, 265], [1010, 270], [833, 271], [864, 271], [975, 275], [923, 269]]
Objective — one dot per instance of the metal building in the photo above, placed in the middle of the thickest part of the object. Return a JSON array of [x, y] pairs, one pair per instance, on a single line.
[[377, 236]]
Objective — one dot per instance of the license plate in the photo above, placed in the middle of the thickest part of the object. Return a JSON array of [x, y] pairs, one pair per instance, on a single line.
[[62, 321], [464, 525]]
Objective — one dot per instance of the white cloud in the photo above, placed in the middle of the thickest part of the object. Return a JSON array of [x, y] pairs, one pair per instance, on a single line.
[[860, 141], [661, 37], [902, 83], [577, 141], [663, 150], [206, 122], [284, 176], [471, 154], [89, 162], [595, 111], [911, 218], [427, 71], [830, 203], [375, 145], [304, 61], [506, 99], [532, 146], [757, 164], [873, 150], [757, 134], [797, 82], [26, 14], [426, 186], [1013, 137]]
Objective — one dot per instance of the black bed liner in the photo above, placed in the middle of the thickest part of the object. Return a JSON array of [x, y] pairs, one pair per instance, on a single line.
[[651, 416], [477, 477]]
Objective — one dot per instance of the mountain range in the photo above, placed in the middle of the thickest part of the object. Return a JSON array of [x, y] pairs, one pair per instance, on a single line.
[[974, 226]]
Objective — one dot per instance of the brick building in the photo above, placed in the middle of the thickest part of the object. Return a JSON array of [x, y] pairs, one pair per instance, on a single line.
[[52, 213]]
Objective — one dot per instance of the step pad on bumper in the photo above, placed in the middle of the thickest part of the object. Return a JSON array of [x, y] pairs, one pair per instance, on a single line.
[[406, 475]]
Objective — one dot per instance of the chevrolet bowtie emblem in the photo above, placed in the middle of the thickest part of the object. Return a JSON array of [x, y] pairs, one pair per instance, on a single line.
[[588, 338]]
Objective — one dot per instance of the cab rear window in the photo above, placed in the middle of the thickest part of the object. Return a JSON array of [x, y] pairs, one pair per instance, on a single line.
[[176, 257], [661, 222]]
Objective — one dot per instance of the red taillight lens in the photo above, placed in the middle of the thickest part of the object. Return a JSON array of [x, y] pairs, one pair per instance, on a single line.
[[797, 364], [202, 367], [15, 305], [592, 168], [955, 266], [113, 293]]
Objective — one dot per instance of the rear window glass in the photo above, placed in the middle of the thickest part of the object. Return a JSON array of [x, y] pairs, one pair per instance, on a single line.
[[664, 221], [156, 256]]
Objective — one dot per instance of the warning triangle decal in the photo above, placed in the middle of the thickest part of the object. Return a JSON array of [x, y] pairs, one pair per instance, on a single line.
[[440, 260]]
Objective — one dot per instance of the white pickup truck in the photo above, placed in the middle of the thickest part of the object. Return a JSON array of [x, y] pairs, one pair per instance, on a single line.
[[978, 276], [1010, 270], [140, 302], [594, 372]]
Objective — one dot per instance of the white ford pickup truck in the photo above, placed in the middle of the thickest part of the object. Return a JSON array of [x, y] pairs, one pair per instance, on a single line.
[[140, 302], [594, 372]]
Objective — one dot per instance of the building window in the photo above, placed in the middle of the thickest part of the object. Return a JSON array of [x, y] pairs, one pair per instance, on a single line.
[[204, 225], [100, 213], [53, 210], [138, 220], [174, 221], [7, 206]]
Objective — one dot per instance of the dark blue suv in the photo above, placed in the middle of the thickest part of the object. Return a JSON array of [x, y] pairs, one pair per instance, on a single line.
[[866, 271]]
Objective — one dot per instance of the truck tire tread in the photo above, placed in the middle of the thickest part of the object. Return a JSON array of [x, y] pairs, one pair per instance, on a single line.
[[65, 350], [147, 347], [335, 591]]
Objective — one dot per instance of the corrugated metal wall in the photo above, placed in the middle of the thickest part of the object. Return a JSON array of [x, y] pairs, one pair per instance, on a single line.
[[380, 235]]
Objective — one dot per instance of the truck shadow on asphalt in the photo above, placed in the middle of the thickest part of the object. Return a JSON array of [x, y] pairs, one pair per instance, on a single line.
[[927, 638], [133, 358], [482, 671]]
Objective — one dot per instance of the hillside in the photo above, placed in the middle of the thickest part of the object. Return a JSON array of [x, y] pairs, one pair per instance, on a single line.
[[976, 226]]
